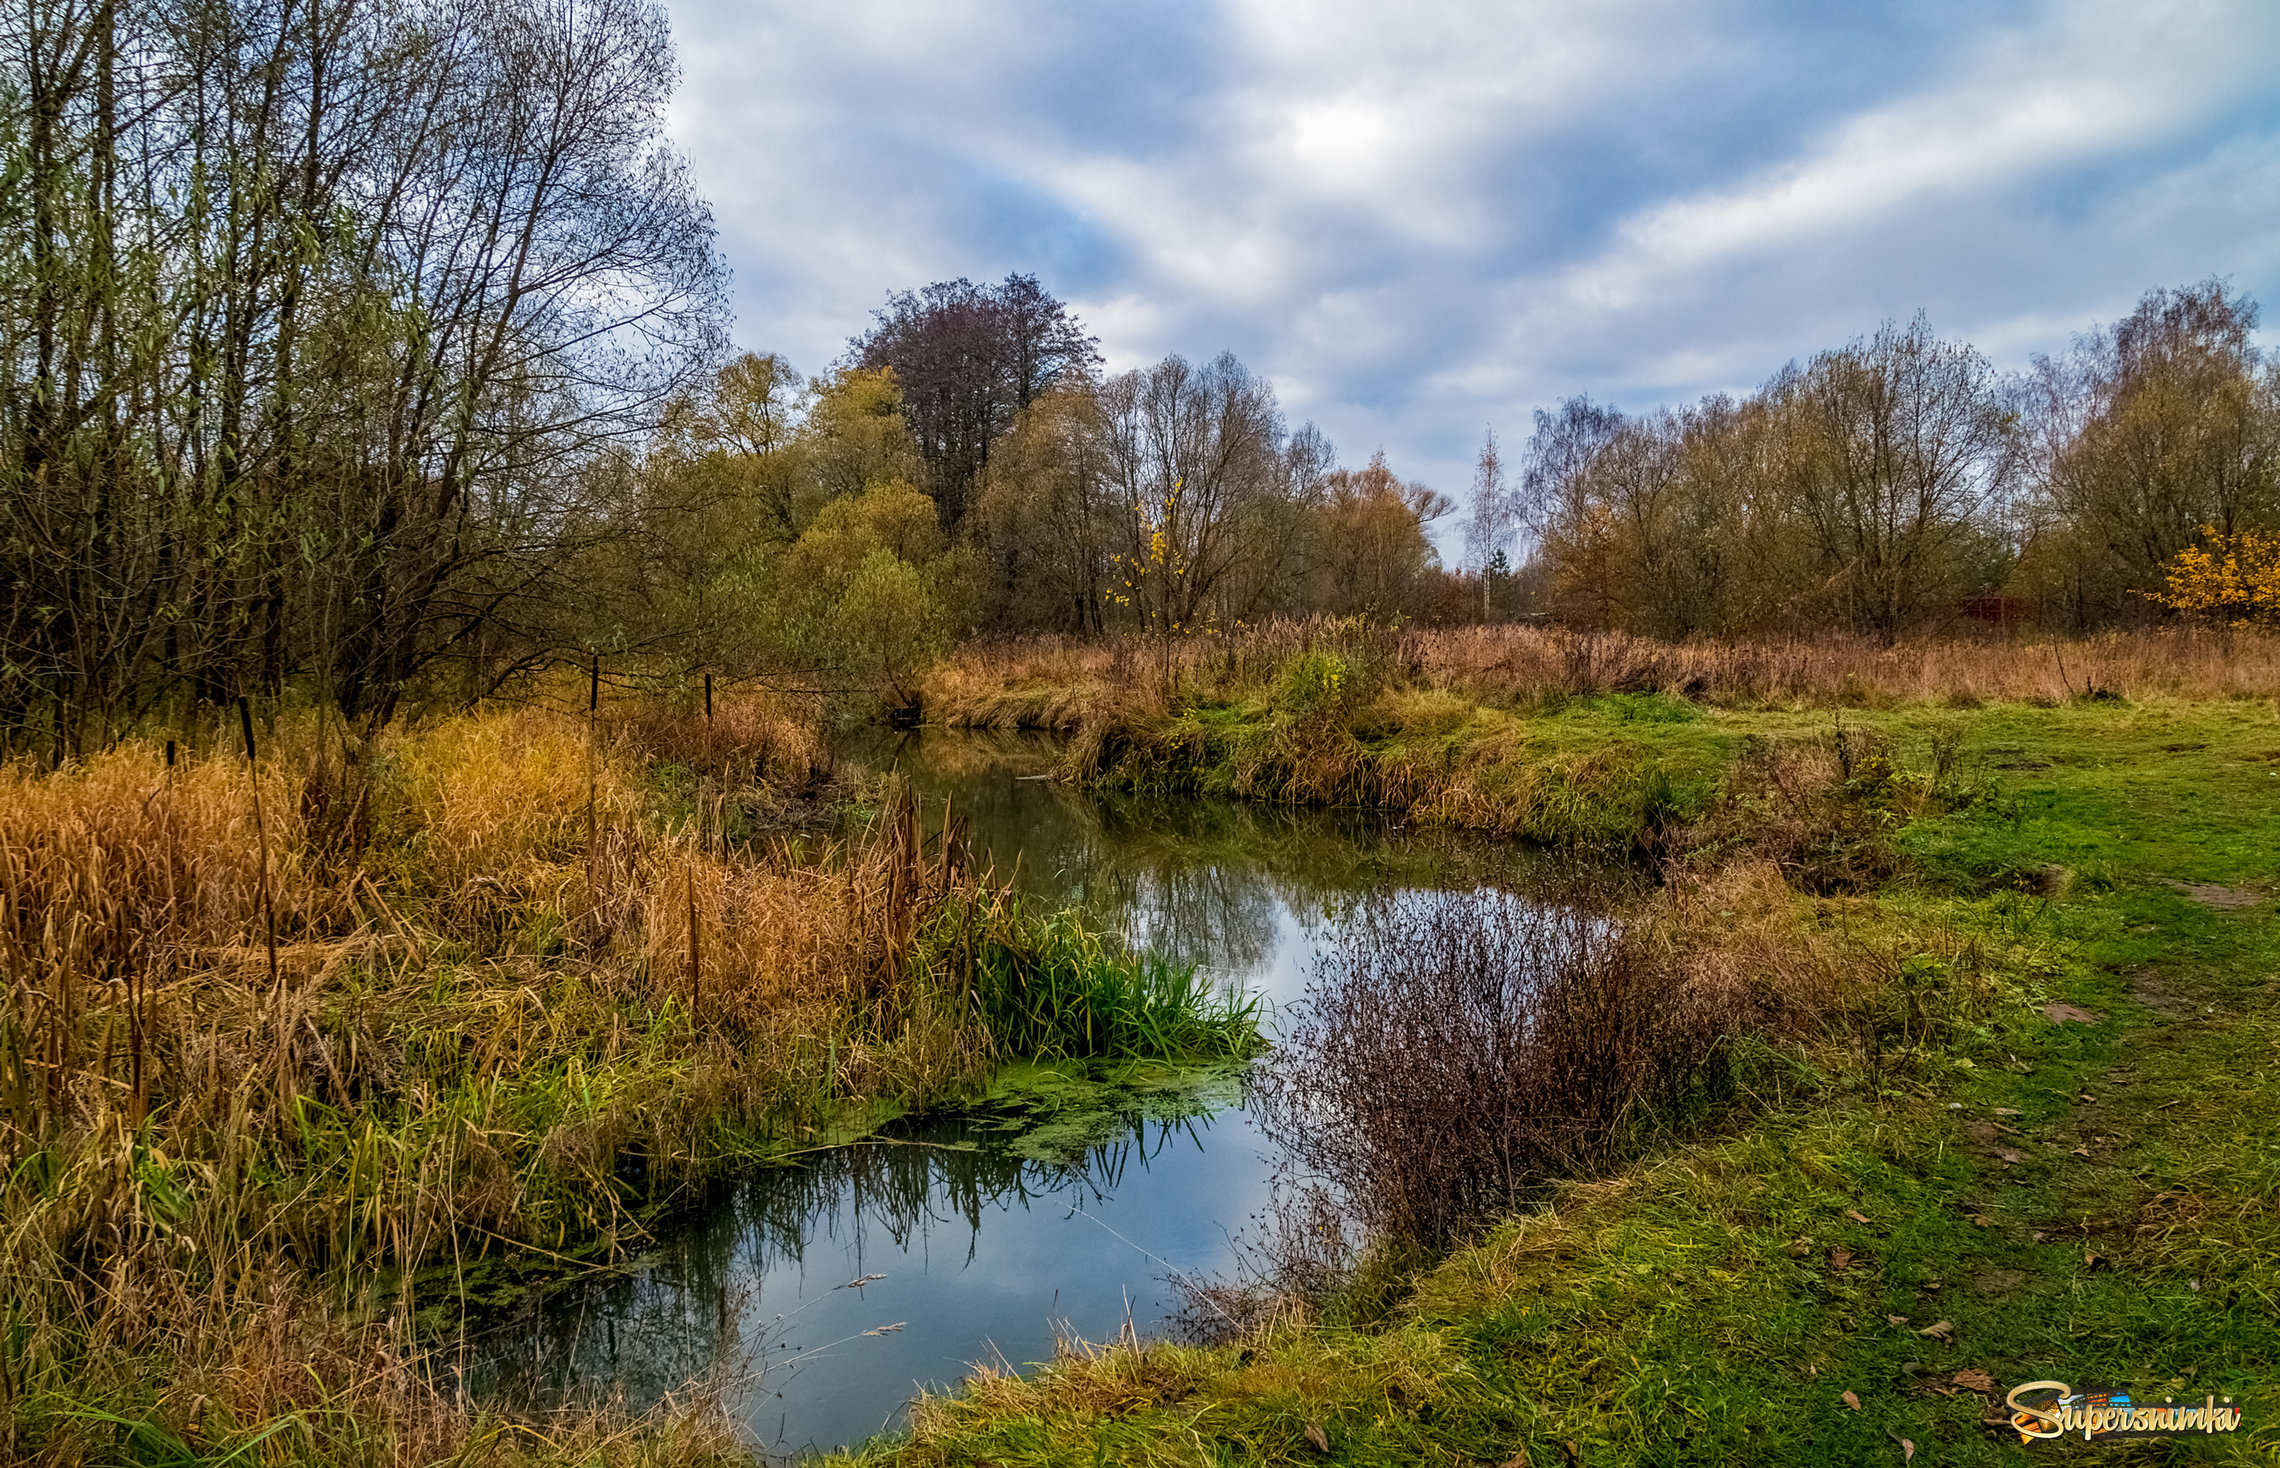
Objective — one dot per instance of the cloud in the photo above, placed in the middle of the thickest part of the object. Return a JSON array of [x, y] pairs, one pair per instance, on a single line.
[[1421, 221]]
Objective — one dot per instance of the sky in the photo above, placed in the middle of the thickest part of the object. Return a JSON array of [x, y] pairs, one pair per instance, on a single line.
[[1423, 221]]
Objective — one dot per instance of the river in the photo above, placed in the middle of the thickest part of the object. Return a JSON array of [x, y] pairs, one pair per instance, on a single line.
[[817, 1300]]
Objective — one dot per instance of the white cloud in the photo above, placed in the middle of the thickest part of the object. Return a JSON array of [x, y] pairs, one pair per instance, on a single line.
[[1418, 220]]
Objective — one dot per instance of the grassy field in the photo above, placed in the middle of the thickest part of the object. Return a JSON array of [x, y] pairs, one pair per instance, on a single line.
[[1552, 737], [2045, 1144]]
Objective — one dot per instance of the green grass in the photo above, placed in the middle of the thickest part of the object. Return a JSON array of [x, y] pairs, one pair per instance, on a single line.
[[1606, 773], [2091, 1202], [1047, 987]]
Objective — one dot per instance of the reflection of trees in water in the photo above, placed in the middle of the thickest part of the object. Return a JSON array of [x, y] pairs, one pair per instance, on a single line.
[[698, 1312], [1200, 878]]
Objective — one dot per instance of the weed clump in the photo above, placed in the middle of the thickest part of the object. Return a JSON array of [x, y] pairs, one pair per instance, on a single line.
[[1048, 987], [1461, 1050], [1827, 811]]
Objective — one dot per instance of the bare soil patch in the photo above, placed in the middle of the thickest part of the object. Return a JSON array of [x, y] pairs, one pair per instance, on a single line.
[[2224, 899]]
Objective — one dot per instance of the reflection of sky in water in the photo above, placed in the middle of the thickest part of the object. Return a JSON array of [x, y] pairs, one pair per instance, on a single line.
[[1247, 891], [986, 1257], [978, 1258]]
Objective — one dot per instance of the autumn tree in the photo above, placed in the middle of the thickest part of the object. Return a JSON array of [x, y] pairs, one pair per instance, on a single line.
[[967, 359], [2228, 579], [1042, 524], [2144, 435], [1377, 561], [855, 436]]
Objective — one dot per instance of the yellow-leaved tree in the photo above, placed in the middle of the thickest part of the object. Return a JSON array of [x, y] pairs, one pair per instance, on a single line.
[[2227, 578]]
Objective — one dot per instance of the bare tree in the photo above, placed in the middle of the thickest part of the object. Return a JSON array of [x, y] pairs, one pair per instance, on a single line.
[[1194, 463], [2145, 434], [1556, 508], [323, 317], [969, 358], [1892, 452], [1489, 514]]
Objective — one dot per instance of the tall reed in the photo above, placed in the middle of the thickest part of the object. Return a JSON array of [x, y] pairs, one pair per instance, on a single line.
[[1048, 986]]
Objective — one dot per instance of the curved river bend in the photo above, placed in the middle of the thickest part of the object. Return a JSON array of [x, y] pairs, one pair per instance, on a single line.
[[819, 1299]]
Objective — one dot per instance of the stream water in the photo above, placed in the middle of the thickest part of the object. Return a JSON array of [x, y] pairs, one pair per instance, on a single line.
[[819, 1299]]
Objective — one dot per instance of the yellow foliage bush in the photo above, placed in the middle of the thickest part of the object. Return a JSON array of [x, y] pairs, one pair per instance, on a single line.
[[2231, 578]]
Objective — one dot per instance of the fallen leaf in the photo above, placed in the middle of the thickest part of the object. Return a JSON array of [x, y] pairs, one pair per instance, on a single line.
[[1973, 1377], [1907, 1450], [2010, 1158], [2059, 1014], [1517, 1460], [1856, 1215], [1852, 1401], [1895, 1320], [2086, 1096], [2092, 1260], [1840, 1258], [1944, 1329], [2082, 1151], [2040, 1235], [1321, 1439], [2008, 1111]]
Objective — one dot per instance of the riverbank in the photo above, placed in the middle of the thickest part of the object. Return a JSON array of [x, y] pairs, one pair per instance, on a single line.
[[2069, 1177], [1561, 739], [301, 1067]]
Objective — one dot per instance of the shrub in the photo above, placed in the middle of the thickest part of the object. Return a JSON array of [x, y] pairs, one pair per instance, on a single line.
[[1459, 1050]]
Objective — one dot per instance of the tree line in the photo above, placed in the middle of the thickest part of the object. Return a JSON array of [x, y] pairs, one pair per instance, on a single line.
[[1900, 482], [968, 470]]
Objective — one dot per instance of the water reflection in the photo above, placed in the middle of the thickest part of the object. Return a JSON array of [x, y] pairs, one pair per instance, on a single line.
[[818, 1298], [1246, 890]]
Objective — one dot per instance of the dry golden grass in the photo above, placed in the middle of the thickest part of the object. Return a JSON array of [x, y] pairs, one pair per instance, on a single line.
[[1061, 685], [1832, 670], [511, 982], [485, 1005]]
